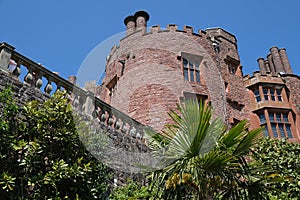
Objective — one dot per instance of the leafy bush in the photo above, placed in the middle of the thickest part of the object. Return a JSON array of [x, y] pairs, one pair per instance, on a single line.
[[132, 191], [41, 155], [284, 159]]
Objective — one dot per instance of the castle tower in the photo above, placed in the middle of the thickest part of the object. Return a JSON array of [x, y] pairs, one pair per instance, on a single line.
[[150, 72]]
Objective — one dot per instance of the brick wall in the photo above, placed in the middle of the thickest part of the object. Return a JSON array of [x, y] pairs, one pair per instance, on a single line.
[[152, 60]]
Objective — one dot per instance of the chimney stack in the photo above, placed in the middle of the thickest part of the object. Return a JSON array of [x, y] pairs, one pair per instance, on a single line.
[[141, 18], [276, 59], [285, 61], [130, 24], [271, 64], [262, 65]]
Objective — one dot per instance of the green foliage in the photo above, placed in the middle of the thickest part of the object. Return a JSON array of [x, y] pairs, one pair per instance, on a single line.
[[133, 191], [201, 160], [41, 155], [284, 159]]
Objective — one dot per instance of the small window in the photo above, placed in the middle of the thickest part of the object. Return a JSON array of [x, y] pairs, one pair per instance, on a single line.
[[231, 68], [285, 118], [271, 116], [272, 93], [191, 70], [266, 96], [274, 130], [265, 130], [257, 95], [279, 97], [262, 118], [278, 117], [288, 130], [198, 97], [281, 130]]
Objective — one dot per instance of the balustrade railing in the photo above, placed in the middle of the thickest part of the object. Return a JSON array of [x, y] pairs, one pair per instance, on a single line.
[[83, 101]]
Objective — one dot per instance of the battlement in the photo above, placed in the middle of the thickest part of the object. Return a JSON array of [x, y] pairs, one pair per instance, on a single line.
[[137, 23]]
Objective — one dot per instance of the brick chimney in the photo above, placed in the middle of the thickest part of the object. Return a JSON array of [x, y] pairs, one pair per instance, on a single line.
[[129, 21], [141, 18], [285, 61], [276, 59], [262, 66]]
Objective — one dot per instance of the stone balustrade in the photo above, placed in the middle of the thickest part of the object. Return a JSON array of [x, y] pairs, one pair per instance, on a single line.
[[44, 80]]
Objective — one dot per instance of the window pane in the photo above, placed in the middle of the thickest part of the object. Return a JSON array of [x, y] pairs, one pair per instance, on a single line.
[[266, 96], [185, 73], [265, 91], [278, 117], [265, 130], [197, 65], [279, 97], [271, 116], [198, 76], [192, 75], [274, 130], [257, 96], [285, 117], [272, 92], [278, 92], [185, 63], [280, 126], [288, 131], [191, 65], [262, 118], [258, 99]]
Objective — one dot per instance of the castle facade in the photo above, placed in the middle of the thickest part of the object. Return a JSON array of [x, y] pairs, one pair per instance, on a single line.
[[154, 69]]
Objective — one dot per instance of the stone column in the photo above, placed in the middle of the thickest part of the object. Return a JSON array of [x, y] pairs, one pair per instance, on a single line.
[[5, 55], [89, 105], [72, 79]]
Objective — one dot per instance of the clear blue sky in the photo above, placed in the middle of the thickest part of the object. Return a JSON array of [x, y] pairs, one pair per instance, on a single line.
[[60, 34]]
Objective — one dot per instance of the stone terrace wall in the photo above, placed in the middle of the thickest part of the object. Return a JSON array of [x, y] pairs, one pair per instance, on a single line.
[[124, 136]]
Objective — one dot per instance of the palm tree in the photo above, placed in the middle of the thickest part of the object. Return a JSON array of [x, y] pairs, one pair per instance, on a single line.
[[200, 159]]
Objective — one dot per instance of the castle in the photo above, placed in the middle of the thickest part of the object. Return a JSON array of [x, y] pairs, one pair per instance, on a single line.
[[150, 71], [153, 70]]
